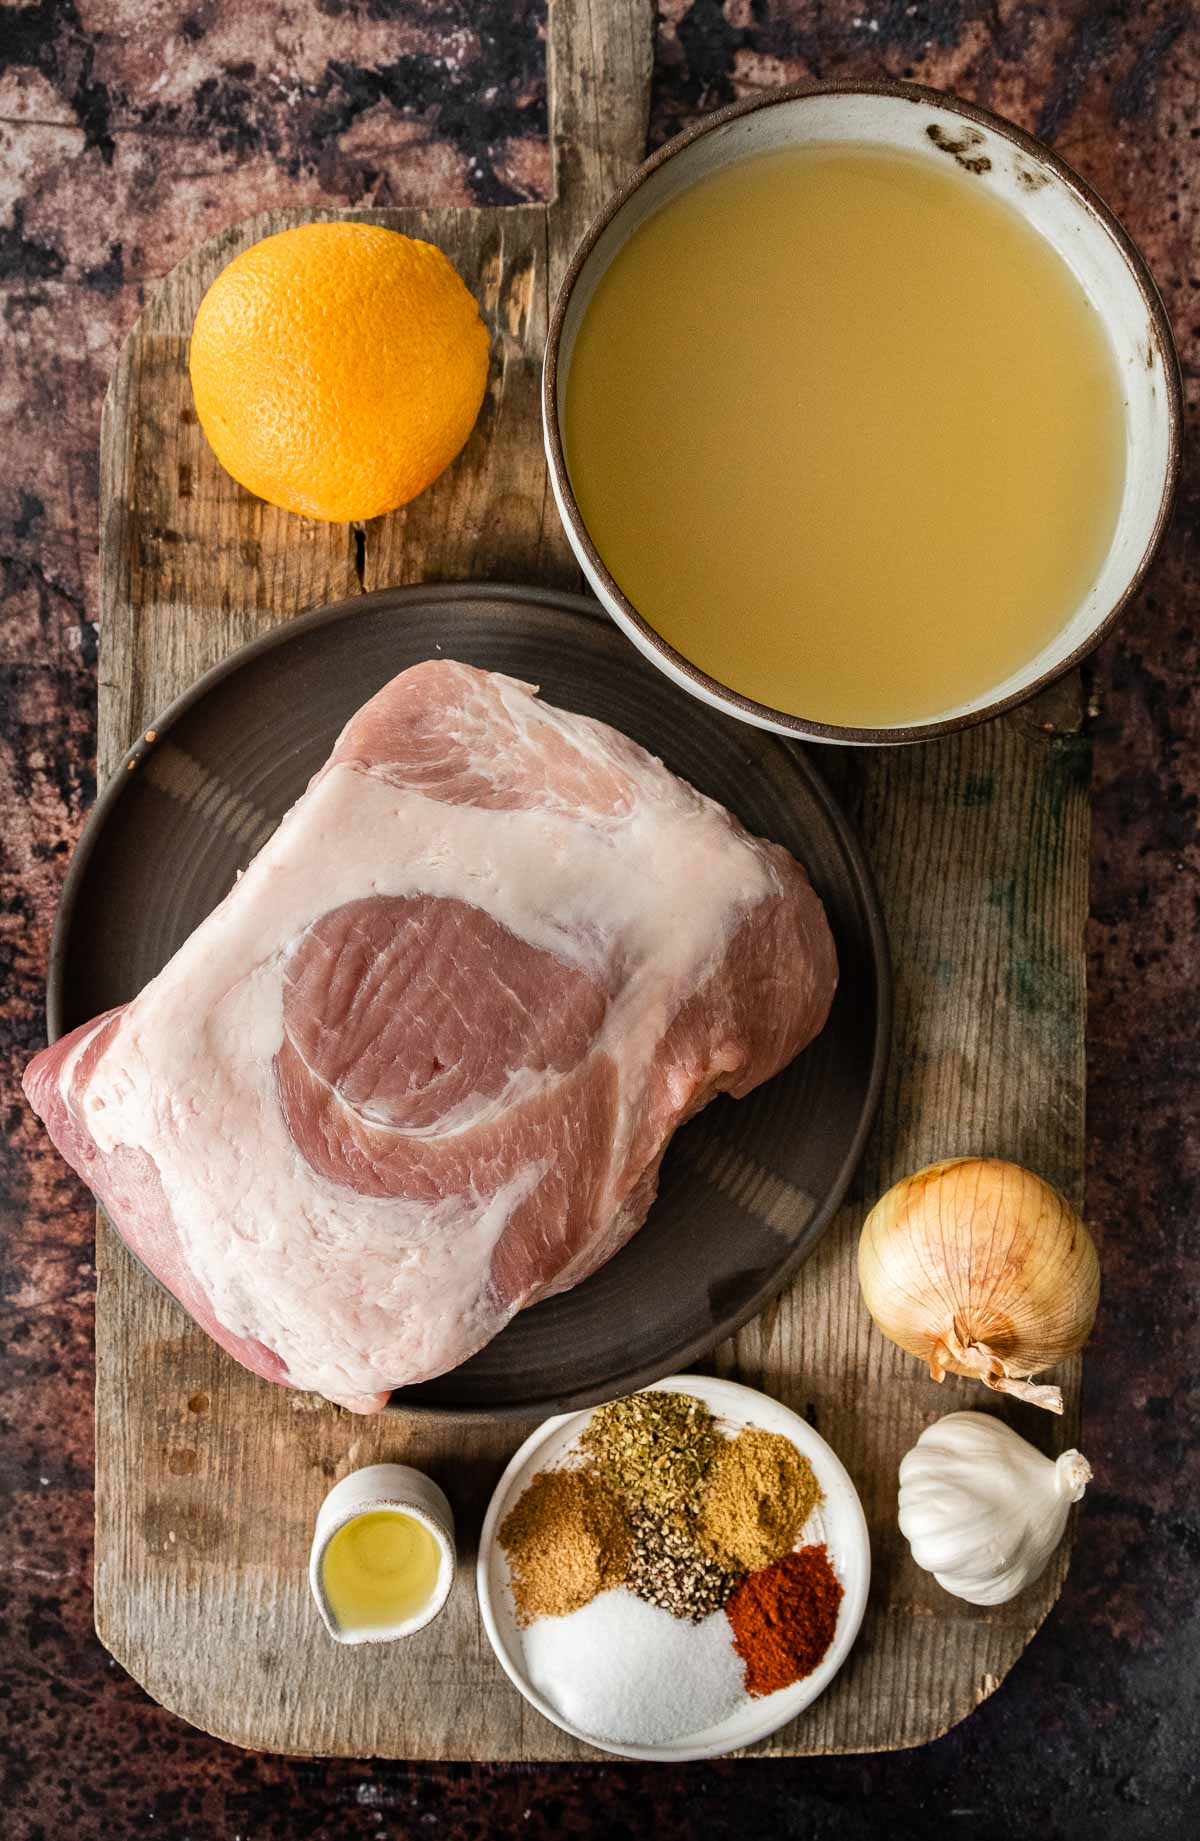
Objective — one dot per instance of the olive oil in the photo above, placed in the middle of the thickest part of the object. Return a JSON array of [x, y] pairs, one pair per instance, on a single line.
[[848, 433], [379, 1570]]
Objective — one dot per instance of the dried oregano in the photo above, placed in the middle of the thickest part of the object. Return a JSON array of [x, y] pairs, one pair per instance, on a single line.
[[653, 1449]]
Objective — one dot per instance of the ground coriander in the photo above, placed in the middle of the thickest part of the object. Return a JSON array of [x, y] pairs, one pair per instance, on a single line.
[[566, 1539], [758, 1494]]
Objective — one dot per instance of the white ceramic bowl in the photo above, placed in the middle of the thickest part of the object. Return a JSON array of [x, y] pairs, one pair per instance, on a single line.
[[838, 1521], [1005, 161], [398, 1490]]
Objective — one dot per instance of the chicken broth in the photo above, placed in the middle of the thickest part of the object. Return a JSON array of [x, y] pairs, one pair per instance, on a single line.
[[847, 432]]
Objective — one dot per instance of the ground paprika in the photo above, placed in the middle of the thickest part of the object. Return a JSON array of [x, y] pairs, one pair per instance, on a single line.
[[783, 1619]]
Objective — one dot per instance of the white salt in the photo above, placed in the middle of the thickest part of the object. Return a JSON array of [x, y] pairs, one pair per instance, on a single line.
[[625, 1670]]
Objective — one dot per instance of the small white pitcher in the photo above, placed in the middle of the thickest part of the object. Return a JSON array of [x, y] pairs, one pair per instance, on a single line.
[[384, 1488]]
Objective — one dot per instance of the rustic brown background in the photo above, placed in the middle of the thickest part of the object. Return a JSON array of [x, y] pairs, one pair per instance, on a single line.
[[129, 130]]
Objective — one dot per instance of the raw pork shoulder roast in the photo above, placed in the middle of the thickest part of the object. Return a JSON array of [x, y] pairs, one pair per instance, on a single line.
[[419, 1068]]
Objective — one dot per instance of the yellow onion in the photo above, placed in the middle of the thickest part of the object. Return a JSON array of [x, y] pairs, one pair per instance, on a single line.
[[981, 1268]]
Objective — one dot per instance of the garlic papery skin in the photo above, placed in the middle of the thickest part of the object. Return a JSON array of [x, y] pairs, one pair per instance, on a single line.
[[982, 1269], [981, 1509]]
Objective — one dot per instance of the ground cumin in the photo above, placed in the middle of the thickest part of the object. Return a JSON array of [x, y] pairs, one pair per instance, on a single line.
[[566, 1539], [758, 1494], [783, 1619]]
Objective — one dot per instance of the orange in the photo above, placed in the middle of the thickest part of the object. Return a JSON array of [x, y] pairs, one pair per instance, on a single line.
[[338, 368]]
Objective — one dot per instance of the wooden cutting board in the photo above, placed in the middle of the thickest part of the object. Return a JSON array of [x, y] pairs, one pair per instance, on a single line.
[[207, 1480]]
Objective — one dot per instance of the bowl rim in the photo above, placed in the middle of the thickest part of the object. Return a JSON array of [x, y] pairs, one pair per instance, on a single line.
[[658, 649]]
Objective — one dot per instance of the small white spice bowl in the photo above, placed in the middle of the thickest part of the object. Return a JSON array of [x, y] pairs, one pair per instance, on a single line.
[[838, 1521], [400, 1490]]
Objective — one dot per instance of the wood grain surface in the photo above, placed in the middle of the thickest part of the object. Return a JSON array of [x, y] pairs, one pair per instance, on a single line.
[[208, 1480]]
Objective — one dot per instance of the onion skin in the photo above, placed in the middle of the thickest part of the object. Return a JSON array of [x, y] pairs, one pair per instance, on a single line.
[[980, 1268]]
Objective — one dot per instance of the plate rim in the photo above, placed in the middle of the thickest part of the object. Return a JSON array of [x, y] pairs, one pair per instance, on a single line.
[[568, 602], [856, 1585]]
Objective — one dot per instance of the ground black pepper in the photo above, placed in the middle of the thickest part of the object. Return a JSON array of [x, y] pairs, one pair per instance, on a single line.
[[667, 1569]]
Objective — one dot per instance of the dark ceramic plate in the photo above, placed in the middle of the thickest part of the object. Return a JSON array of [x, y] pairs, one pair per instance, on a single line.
[[749, 1187]]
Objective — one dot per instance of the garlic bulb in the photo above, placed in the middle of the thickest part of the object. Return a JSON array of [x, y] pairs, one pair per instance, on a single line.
[[981, 1509], [981, 1268]]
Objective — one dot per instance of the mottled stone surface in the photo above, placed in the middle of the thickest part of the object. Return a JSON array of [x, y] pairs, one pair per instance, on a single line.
[[130, 129]]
